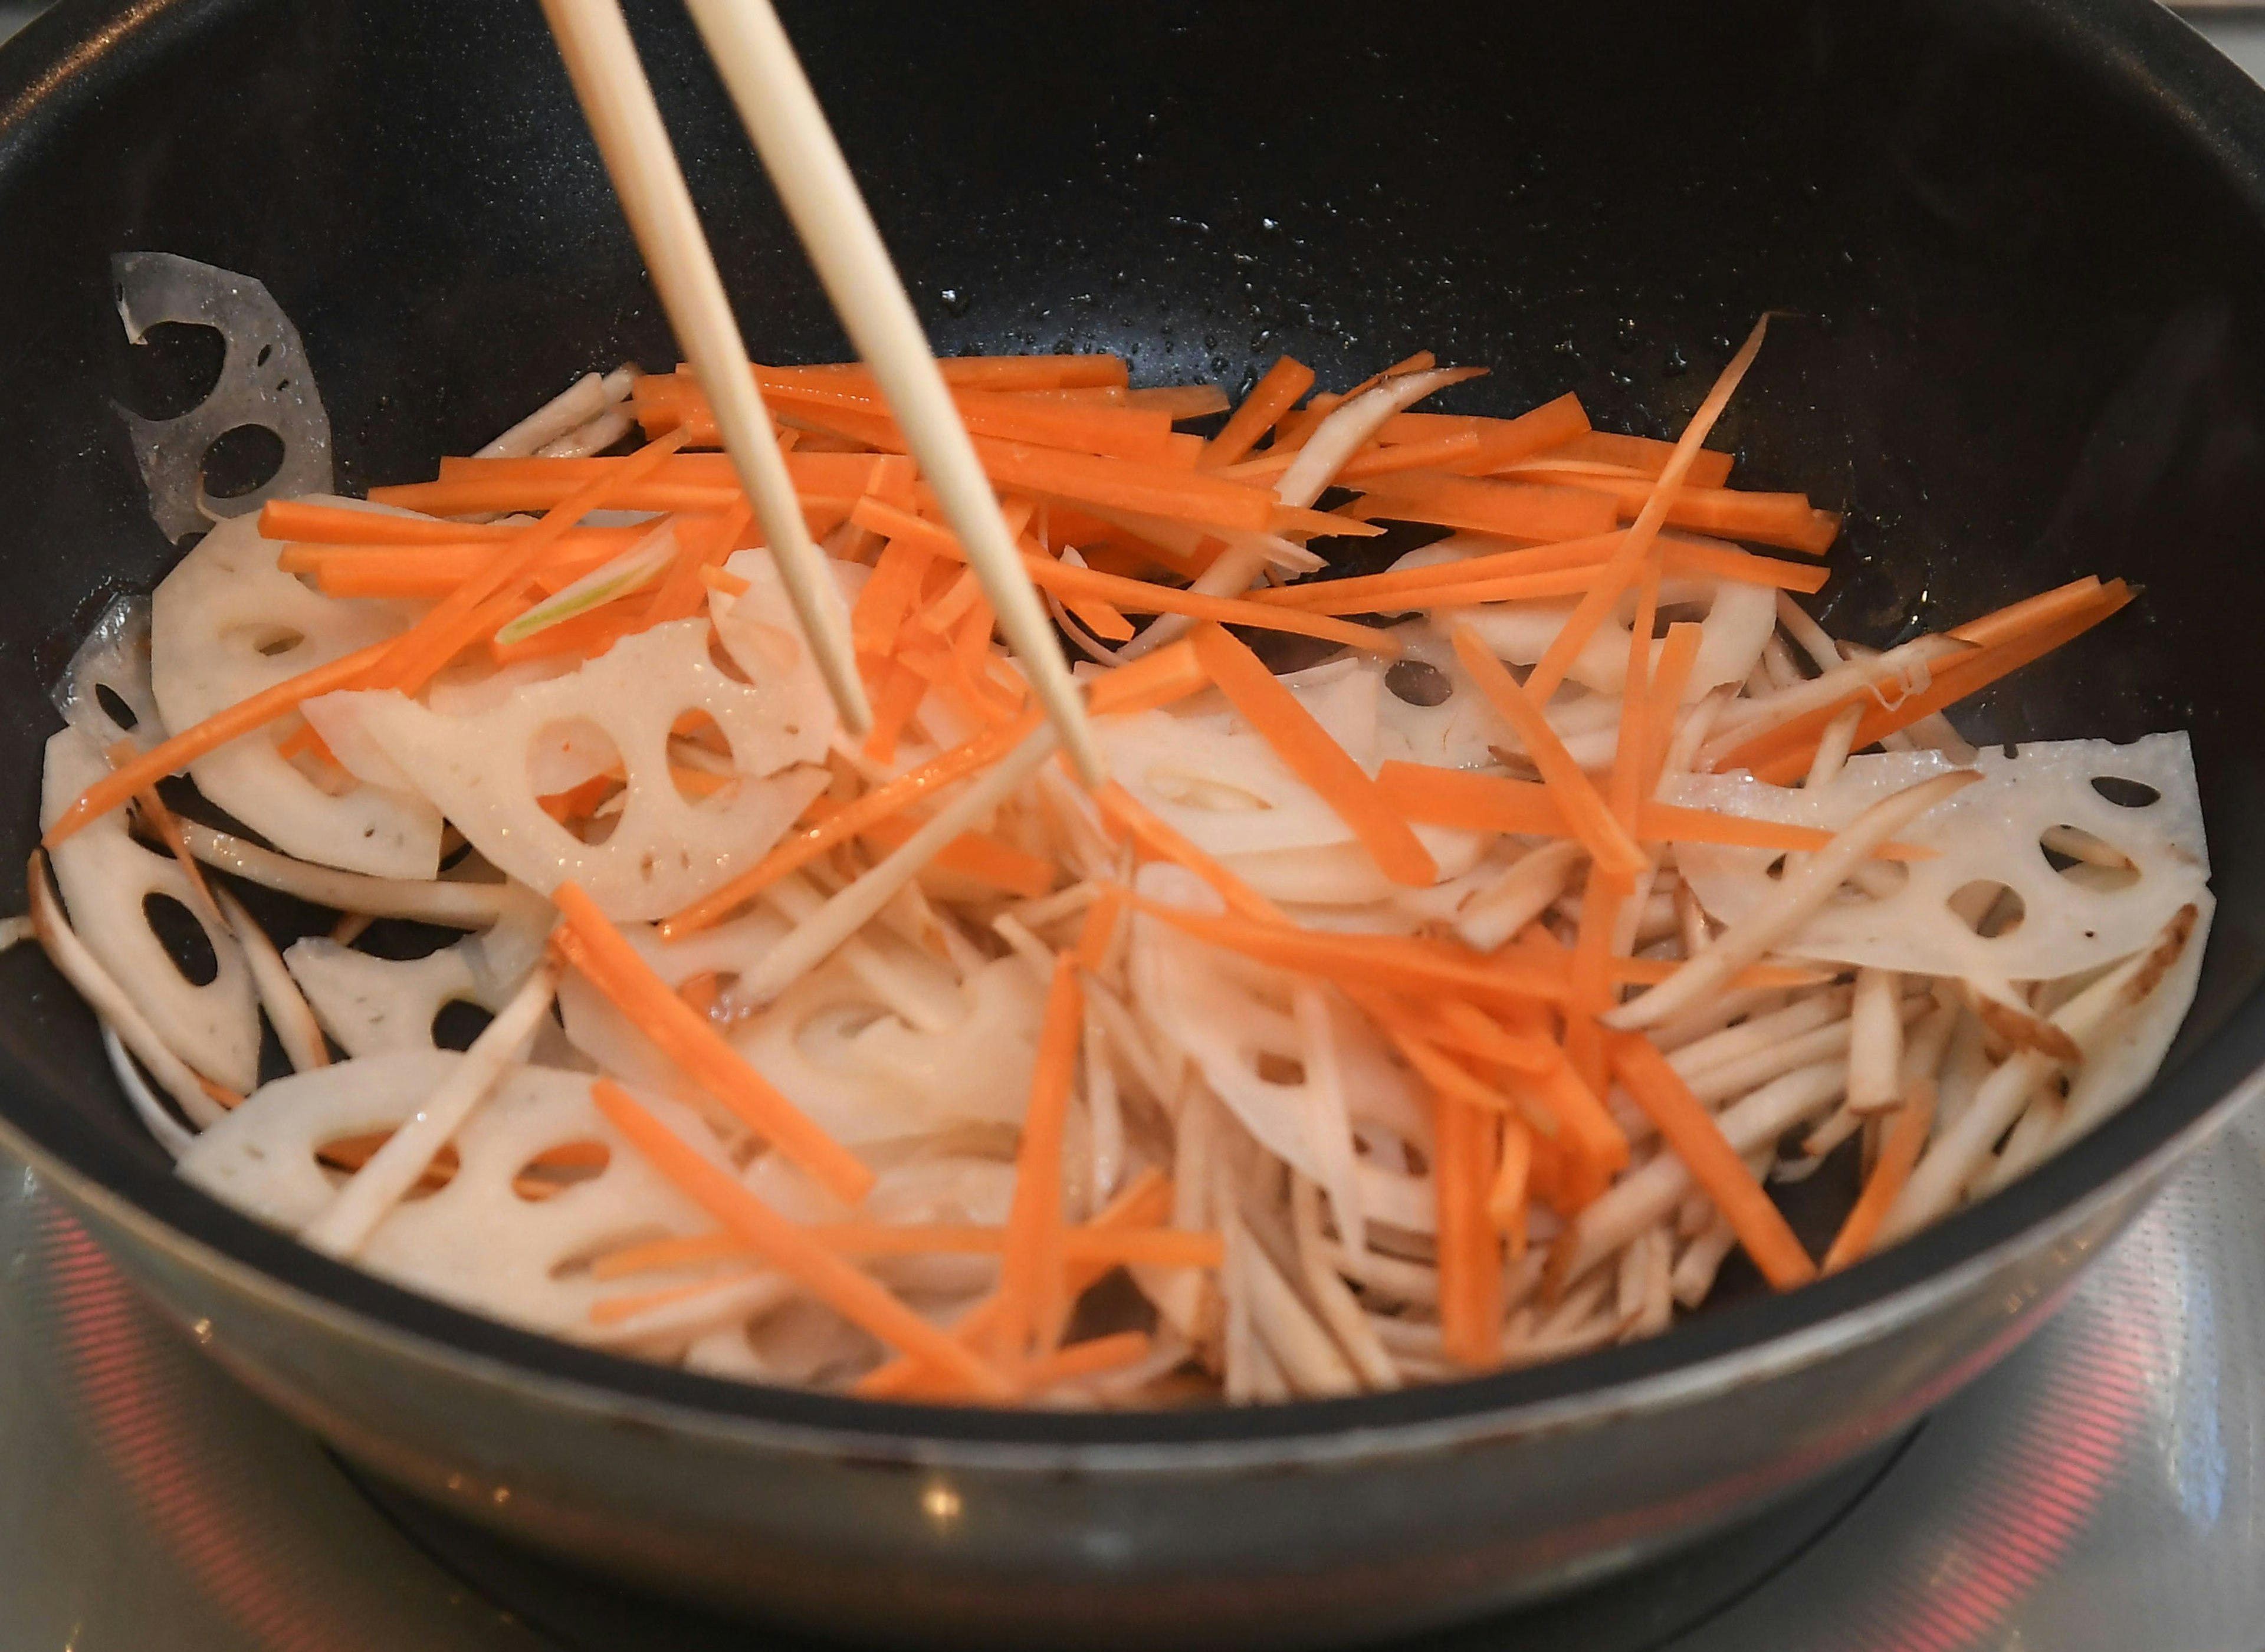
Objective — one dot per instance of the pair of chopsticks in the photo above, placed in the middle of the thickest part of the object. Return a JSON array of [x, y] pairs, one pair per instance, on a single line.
[[781, 113]]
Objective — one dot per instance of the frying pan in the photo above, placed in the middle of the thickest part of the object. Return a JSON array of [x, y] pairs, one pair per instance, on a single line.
[[2018, 247]]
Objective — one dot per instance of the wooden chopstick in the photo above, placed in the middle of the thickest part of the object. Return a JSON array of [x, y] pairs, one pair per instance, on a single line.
[[781, 113], [610, 82]]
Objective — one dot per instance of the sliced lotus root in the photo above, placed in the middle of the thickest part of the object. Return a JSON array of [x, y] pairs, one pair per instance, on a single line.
[[372, 1005], [111, 886], [484, 1240], [657, 849], [2071, 853], [227, 624]]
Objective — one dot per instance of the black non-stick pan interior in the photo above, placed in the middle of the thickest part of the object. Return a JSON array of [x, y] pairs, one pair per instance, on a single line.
[[2015, 249]]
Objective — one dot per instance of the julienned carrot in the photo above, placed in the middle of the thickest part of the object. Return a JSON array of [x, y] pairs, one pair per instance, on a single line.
[[2016, 619], [1031, 1275], [1440, 453], [858, 405], [1501, 441], [1786, 520], [1138, 596], [1906, 1138], [1171, 673], [898, 696], [1692, 1135], [302, 520], [1274, 394], [888, 596], [1451, 584], [1506, 1200], [610, 964], [1677, 657], [1641, 542], [1469, 1248], [116, 788], [1781, 754], [1180, 496], [1394, 963], [1644, 456], [1313, 755], [1474, 801], [884, 801], [456, 622], [1135, 596], [1517, 509], [1631, 773], [855, 1295], [1609, 844], [1589, 552]]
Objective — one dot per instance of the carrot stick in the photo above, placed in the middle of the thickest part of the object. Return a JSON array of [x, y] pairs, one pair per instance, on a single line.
[[610, 964], [1314, 756], [302, 520], [1031, 1281], [1781, 754], [1172, 672], [1274, 394], [1677, 657], [1135, 596], [856, 1296], [1609, 844], [1445, 589], [1906, 1138], [1632, 751], [1440, 453], [1590, 552], [1473, 802], [901, 690], [437, 638], [1182, 496], [1161, 840], [888, 596], [1469, 1248], [1513, 1174], [1691, 1133], [255, 711], [2016, 619], [1392, 964], [1519, 510], [1627, 561], [1644, 456], [1786, 520], [802, 847]]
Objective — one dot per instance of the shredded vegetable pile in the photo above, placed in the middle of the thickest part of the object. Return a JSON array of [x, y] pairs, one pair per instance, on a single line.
[[1448, 1000]]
